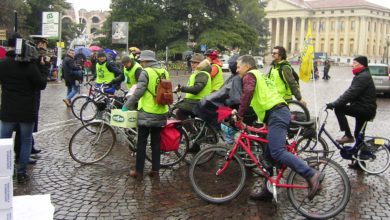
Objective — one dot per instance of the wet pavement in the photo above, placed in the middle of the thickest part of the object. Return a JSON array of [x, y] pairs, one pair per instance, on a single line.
[[105, 190]]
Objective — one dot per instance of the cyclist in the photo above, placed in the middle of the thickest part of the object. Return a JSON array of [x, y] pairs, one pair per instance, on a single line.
[[106, 72], [131, 72], [270, 108], [134, 53], [216, 69]]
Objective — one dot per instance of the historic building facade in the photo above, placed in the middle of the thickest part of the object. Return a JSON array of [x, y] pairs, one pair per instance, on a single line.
[[340, 28]]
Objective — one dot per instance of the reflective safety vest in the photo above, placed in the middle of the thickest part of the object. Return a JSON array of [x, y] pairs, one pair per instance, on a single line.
[[217, 81], [130, 79], [103, 75], [281, 85], [148, 102], [204, 92], [265, 95]]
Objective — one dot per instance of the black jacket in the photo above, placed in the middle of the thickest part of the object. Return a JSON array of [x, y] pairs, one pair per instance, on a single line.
[[360, 94], [19, 81], [69, 71]]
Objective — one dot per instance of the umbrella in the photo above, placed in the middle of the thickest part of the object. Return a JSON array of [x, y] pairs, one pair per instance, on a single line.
[[110, 53], [83, 50], [2, 52], [94, 48]]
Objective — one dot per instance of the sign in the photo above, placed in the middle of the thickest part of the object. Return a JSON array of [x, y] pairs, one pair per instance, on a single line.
[[61, 44], [120, 32], [203, 47], [3, 34], [50, 24]]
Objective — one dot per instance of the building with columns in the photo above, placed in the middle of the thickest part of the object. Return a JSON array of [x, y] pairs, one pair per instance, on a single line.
[[340, 28]]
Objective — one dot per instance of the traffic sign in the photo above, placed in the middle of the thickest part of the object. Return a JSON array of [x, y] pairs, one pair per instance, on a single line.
[[3, 34]]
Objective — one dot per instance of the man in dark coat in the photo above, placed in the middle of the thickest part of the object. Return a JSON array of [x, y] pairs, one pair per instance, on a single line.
[[72, 75], [358, 101], [19, 82]]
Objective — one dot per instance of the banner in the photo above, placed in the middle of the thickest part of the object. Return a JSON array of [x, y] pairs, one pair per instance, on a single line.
[[120, 32], [307, 56], [50, 24]]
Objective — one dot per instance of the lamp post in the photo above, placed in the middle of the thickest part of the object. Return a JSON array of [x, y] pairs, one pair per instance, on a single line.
[[189, 28], [387, 49]]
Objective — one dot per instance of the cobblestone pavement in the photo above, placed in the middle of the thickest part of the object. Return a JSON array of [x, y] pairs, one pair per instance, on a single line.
[[105, 190]]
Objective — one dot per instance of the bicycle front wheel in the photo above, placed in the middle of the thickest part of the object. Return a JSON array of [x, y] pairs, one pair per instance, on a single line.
[[331, 198], [92, 142], [210, 186], [373, 156], [305, 148]]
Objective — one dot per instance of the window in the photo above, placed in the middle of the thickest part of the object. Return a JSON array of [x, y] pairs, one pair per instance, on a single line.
[[332, 26], [352, 11], [368, 26], [342, 11], [322, 12], [342, 25], [352, 25], [95, 20], [332, 12], [374, 26]]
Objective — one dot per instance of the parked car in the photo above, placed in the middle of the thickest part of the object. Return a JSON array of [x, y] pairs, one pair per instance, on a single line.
[[259, 62], [381, 76], [225, 65]]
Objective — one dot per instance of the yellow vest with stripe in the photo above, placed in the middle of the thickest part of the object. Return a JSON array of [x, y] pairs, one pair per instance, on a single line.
[[265, 95], [148, 102], [130, 79], [204, 92], [217, 81], [103, 75], [283, 89]]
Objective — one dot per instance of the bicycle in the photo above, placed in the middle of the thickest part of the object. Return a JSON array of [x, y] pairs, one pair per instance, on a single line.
[[371, 153], [93, 141], [218, 175], [79, 101]]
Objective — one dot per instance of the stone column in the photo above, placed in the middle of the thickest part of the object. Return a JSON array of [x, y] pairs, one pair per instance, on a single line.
[[285, 30], [277, 34], [357, 36], [379, 33], [270, 33], [346, 37], [294, 27], [384, 37], [318, 36], [336, 46], [362, 45], [327, 31], [302, 37]]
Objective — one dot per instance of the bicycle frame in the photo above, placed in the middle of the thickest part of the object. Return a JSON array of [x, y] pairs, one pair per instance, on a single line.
[[249, 137]]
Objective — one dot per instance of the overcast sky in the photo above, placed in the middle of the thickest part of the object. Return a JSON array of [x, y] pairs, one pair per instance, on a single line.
[[105, 4]]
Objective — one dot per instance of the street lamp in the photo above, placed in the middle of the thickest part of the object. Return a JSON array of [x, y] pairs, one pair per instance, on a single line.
[[189, 28], [387, 49]]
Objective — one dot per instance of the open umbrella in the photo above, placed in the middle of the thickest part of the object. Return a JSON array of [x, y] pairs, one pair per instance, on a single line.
[[94, 48], [110, 53], [83, 50], [2, 52]]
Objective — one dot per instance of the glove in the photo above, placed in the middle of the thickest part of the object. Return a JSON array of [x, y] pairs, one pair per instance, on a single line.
[[330, 106], [124, 108]]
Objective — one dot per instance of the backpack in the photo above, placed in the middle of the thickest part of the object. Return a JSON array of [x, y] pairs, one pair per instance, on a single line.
[[295, 74], [164, 94]]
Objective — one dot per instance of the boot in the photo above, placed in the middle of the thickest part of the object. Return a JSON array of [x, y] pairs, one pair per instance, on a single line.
[[315, 184], [135, 174], [153, 173]]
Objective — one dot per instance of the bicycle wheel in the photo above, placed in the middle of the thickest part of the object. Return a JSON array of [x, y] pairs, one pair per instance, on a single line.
[[299, 112], [77, 104], [92, 142], [374, 156], [170, 158], [305, 144], [331, 198], [88, 111], [217, 188]]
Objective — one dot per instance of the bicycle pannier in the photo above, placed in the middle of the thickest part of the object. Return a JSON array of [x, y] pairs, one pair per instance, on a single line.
[[170, 137]]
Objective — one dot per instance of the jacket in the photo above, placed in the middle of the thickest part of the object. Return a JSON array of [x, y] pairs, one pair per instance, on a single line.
[[144, 118], [360, 94], [69, 69], [20, 81], [289, 78]]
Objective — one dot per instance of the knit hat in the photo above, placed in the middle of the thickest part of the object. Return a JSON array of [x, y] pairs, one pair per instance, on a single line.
[[197, 57], [362, 60], [147, 55], [101, 54]]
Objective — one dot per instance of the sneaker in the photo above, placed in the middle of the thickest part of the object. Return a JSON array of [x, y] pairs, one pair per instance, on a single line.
[[345, 139], [35, 151], [67, 102], [22, 178]]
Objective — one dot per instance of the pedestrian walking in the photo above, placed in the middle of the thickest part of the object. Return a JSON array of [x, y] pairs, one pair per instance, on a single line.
[[72, 75], [151, 115], [326, 70]]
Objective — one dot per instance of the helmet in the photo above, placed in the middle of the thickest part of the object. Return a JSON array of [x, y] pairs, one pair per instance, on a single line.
[[211, 53], [134, 50]]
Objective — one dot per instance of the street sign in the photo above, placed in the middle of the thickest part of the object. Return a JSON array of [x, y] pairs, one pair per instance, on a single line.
[[120, 32], [3, 34], [203, 47], [50, 24], [61, 44]]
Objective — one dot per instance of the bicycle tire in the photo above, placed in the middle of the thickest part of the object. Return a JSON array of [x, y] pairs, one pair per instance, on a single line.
[[171, 158], [77, 104], [92, 142], [332, 197], [88, 111], [373, 158], [210, 187], [295, 107], [305, 143]]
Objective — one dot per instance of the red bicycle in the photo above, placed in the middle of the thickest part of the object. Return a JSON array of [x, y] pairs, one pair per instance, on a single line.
[[218, 174]]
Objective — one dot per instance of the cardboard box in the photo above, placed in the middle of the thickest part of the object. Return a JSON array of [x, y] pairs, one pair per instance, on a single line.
[[127, 119], [6, 214], [6, 192], [6, 156]]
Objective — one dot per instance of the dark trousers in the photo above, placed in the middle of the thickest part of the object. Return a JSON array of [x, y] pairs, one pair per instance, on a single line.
[[143, 133], [360, 118]]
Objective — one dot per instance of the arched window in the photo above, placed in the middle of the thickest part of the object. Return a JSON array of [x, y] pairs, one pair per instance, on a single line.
[[95, 19]]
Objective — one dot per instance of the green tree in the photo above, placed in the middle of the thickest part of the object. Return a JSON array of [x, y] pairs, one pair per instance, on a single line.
[[7, 15]]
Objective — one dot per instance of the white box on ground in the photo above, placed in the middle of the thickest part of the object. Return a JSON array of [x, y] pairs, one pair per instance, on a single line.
[[34, 207], [6, 214], [6, 192], [6, 156]]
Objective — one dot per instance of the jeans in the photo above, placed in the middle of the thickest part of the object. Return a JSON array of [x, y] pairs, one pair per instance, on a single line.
[[359, 115], [278, 123], [72, 91], [143, 133], [26, 130]]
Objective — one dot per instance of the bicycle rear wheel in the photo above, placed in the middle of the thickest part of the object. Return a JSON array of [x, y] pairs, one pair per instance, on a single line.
[[331, 198], [92, 142], [304, 147], [299, 112], [88, 111], [77, 104], [217, 188], [373, 156]]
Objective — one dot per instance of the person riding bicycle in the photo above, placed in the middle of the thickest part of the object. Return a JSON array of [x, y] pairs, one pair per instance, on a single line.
[[261, 93], [198, 86], [287, 86], [216, 73], [131, 72], [358, 101], [106, 73]]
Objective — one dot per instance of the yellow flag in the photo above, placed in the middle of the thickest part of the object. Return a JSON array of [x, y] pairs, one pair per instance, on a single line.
[[307, 56]]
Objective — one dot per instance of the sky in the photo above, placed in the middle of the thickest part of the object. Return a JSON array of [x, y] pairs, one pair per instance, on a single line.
[[105, 4]]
